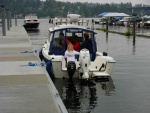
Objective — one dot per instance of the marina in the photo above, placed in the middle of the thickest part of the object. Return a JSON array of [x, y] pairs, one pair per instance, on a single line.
[[39, 75], [128, 85]]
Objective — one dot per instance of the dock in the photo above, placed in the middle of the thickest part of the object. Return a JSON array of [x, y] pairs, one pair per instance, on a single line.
[[25, 86]]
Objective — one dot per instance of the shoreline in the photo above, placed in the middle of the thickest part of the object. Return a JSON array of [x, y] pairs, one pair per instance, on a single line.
[[123, 33]]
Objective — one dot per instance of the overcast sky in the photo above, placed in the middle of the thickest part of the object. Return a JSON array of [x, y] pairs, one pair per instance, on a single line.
[[147, 2]]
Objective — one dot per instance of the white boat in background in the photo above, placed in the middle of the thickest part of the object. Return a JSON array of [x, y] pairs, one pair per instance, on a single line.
[[53, 54], [145, 21], [58, 21], [31, 22], [146, 24]]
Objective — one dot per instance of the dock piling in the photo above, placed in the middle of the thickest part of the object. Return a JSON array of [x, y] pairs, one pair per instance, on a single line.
[[15, 18], [8, 20], [107, 27], [3, 20], [134, 25]]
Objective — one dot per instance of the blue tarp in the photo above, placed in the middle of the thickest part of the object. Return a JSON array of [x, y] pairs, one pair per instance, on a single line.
[[104, 13], [116, 19]]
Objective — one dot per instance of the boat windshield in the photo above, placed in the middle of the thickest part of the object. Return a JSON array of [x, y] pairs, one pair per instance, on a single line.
[[59, 44]]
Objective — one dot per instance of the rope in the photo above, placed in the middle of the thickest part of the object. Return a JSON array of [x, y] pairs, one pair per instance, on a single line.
[[33, 64], [30, 51], [27, 52]]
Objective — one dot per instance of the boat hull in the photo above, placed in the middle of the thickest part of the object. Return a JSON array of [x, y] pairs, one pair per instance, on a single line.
[[100, 67], [31, 25]]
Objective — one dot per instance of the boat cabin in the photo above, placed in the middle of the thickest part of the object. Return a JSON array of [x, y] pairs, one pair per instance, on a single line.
[[58, 37]]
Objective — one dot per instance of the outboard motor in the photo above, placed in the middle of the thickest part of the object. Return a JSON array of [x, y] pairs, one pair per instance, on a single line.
[[85, 61], [71, 68]]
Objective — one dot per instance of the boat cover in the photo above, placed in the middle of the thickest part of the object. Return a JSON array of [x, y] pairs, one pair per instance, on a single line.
[[113, 14]]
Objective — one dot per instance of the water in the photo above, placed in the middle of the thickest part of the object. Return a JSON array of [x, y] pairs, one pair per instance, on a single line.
[[129, 87]]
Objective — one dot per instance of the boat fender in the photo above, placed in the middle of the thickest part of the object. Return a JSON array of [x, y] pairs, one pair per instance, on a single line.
[[41, 55], [48, 67]]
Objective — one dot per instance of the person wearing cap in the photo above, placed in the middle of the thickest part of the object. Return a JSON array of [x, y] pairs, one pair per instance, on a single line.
[[87, 43], [61, 39]]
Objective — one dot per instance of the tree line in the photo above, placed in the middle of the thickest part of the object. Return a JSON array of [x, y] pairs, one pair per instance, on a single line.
[[52, 8]]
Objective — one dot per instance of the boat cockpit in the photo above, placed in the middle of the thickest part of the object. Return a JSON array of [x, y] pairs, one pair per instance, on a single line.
[[58, 44]]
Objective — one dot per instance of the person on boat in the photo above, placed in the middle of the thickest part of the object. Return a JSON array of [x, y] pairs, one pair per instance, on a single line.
[[70, 60], [76, 43], [70, 53], [87, 43], [61, 40]]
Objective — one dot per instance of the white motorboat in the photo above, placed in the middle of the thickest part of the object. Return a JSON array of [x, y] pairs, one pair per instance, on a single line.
[[53, 54], [31, 22], [146, 24], [65, 20]]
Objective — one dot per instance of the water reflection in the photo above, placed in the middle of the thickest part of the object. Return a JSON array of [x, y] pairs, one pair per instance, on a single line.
[[70, 96], [107, 86], [36, 31], [33, 32], [106, 39], [134, 45], [79, 98]]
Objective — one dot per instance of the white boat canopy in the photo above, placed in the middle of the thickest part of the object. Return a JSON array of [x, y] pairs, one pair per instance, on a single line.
[[113, 14]]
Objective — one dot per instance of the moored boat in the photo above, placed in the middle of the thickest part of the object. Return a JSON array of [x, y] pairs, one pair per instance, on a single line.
[[31, 22], [146, 24], [85, 68]]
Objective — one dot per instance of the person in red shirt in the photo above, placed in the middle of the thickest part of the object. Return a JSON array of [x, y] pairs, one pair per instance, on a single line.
[[75, 43]]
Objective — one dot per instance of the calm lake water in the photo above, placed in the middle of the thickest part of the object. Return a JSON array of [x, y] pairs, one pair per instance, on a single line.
[[127, 91]]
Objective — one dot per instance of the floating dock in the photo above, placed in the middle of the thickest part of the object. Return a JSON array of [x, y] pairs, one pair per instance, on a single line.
[[25, 86]]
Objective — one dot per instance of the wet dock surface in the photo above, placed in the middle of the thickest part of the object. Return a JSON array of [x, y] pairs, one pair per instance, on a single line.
[[24, 88]]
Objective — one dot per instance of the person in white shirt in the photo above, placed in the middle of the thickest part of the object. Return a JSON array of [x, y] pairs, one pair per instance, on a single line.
[[70, 53], [70, 60]]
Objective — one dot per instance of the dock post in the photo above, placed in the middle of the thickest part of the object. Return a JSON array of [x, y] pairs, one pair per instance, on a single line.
[[78, 23], [82, 21], [92, 24], [61, 21], [8, 25], [107, 27], [66, 21], [10, 18], [134, 25], [134, 46], [15, 18], [87, 23], [3, 20]]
